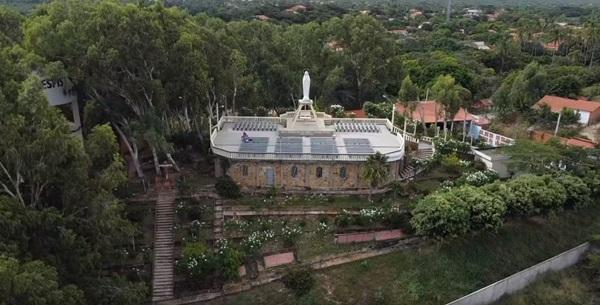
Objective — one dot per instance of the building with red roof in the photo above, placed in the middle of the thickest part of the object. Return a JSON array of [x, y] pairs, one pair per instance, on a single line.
[[357, 114], [589, 111], [425, 112]]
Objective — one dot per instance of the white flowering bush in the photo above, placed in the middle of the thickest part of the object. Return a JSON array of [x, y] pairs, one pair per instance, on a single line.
[[480, 178], [337, 111], [197, 263], [256, 240], [465, 164], [369, 216], [290, 234], [322, 228]]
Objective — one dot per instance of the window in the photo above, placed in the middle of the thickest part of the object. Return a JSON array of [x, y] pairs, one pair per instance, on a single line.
[[294, 171], [319, 172], [343, 173], [244, 170]]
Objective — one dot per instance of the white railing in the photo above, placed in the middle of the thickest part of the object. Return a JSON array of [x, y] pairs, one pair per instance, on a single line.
[[395, 155], [392, 156], [495, 139]]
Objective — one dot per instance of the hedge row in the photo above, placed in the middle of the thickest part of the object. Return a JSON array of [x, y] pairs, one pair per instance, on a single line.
[[456, 211]]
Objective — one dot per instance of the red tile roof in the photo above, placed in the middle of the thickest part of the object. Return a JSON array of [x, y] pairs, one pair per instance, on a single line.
[[557, 104], [425, 111], [584, 143], [359, 114]]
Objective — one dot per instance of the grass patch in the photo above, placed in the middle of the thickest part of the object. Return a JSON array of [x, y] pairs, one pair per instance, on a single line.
[[440, 273], [571, 286]]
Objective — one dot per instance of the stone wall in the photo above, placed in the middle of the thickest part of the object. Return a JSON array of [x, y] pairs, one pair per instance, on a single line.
[[520, 280], [253, 174]]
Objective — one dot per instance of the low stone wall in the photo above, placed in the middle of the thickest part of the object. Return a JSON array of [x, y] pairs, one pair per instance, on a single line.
[[520, 280], [358, 237]]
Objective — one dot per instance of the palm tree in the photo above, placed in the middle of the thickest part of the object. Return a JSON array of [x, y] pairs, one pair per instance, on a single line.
[[375, 171], [450, 96]]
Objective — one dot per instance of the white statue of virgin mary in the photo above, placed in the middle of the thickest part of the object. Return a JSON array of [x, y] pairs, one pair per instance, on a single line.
[[306, 86]]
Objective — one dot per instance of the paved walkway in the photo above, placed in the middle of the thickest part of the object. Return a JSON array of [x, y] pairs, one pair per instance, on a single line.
[[163, 273], [239, 211]]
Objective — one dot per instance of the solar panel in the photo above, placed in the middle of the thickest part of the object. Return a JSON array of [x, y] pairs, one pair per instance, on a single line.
[[323, 146], [289, 145], [358, 146], [256, 145]]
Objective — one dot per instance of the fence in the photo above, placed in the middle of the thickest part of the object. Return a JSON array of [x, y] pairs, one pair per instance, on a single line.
[[494, 139], [520, 280]]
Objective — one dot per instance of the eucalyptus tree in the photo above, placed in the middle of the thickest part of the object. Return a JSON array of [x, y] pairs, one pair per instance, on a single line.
[[408, 96], [140, 63], [366, 49]]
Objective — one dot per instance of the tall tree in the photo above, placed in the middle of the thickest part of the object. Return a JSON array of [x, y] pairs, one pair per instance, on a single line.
[[520, 90], [408, 96], [449, 95]]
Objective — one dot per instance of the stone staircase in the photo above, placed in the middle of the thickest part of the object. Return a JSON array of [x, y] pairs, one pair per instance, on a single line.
[[219, 220], [424, 152], [163, 273]]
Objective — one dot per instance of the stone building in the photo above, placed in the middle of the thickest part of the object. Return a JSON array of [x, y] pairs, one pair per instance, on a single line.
[[303, 149]]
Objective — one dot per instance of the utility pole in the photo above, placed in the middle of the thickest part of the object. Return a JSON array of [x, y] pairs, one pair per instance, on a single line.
[[449, 11], [558, 123]]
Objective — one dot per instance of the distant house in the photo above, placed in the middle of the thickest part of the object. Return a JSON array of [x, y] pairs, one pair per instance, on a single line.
[[589, 111], [473, 13], [296, 9], [414, 13], [554, 45], [262, 17], [335, 46], [483, 105], [401, 32], [480, 45], [425, 112]]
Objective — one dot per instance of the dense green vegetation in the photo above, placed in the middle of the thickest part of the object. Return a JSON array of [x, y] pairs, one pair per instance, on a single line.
[[440, 273], [151, 77]]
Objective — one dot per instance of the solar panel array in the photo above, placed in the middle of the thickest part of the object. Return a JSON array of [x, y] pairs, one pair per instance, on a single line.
[[356, 127], [323, 146], [254, 126], [358, 146], [289, 145], [256, 145]]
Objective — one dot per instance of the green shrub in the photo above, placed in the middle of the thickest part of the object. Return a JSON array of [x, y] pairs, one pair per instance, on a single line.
[[532, 195], [578, 193], [441, 215], [197, 263], [487, 211], [229, 260], [299, 280], [444, 148], [451, 163], [227, 188]]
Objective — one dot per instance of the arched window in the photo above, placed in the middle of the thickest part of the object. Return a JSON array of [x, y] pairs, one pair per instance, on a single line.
[[343, 173], [294, 171], [319, 172], [244, 170]]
